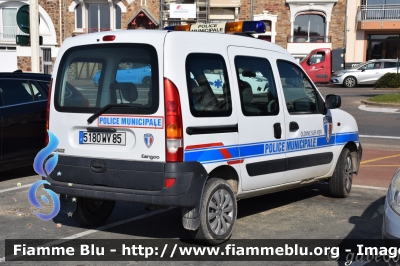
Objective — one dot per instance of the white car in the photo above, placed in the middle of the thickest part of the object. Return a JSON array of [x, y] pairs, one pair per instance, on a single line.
[[257, 81], [364, 73], [182, 141], [391, 216]]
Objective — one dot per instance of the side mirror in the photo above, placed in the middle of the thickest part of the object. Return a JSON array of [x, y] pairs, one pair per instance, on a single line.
[[363, 69], [332, 101]]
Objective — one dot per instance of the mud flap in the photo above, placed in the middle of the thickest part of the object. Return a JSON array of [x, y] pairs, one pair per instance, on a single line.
[[191, 218], [359, 154]]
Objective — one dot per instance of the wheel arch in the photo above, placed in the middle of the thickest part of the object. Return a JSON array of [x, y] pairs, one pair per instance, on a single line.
[[352, 146], [350, 76], [227, 173], [191, 216]]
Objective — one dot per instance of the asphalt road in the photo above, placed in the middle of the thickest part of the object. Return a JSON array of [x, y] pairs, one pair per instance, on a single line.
[[305, 213], [373, 121]]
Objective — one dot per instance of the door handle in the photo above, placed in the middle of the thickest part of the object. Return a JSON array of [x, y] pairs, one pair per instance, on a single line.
[[293, 126], [277, 130]]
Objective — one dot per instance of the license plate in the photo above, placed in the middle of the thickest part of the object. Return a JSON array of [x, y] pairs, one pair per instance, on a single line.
[[102, 138]]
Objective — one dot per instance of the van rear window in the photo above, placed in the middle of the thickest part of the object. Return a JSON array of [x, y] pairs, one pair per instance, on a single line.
[[92, 76]]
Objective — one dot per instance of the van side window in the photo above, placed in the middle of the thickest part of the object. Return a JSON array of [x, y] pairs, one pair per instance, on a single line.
[[208, 85], [300, 96], [258, 96]]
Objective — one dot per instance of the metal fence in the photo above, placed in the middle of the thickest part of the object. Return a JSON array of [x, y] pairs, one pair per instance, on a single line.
[[378, 12]]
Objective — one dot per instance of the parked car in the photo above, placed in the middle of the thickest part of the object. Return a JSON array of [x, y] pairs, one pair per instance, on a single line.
[[391, 216], [320, 63], [257, 81], [23, 100], [134, 74], [364, 73]]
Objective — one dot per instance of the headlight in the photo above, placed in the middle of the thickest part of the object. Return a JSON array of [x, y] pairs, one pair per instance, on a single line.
[[394, 193], [339, 74]]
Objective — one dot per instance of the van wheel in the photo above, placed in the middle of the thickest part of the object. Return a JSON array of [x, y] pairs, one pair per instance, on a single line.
[[350, 82], [217, 214], [92, 212], [342, 178], [146, 81]]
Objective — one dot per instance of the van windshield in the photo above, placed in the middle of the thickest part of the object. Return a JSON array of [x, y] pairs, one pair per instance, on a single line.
[[93, 76]]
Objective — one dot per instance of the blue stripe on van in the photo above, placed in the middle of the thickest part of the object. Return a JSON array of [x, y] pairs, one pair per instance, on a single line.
[[235, 153]]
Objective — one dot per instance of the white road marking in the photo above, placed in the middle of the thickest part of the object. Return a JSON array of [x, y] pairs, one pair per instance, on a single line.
[[378, 137], [377, 109], [15, 188], [87, 232]]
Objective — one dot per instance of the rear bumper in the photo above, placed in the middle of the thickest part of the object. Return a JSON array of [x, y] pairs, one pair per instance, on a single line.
[[144, 181]]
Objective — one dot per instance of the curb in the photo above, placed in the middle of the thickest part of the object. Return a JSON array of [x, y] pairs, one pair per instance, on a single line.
[[381, 104]]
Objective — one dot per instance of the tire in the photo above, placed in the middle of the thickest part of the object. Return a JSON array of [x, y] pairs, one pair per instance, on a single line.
[[218, 228], [350, 82], [342, 178], [146, 81], [92, 212]]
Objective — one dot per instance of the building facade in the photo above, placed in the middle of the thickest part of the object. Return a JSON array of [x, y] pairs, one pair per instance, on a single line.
[[297, 25], [373, 30]]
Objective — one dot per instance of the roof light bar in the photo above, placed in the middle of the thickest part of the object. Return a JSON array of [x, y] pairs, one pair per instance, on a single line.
[[249, 27]]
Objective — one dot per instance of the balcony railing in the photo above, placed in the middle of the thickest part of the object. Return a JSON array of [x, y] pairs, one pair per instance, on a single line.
[[378, 12], [9, 33], [92, 30], [309, 39]]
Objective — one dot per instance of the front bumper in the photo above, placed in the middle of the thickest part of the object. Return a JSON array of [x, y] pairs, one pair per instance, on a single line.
[[141, 182], [336, 80], [391, 230], [391, 223]]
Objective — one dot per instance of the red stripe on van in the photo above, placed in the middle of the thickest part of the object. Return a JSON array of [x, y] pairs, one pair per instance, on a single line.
[[204, 146], [235, 161]]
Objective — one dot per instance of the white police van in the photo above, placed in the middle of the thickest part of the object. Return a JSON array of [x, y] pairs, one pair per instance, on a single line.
[[174, 142]]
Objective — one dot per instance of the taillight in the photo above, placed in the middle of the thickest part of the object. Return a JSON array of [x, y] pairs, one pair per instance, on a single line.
[[173, 123], [48, 111]]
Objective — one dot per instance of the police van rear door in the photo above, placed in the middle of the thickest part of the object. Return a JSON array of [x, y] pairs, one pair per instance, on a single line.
[[99, 109]]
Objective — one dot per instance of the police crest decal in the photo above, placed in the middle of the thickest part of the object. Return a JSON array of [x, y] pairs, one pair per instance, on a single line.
[[328, 128], [148, 139]]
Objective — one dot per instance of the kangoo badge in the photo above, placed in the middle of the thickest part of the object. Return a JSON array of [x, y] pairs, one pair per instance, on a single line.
[[328, 127], [148, 139]]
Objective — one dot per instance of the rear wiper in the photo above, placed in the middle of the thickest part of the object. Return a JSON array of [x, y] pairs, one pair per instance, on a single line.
[[105, 108]]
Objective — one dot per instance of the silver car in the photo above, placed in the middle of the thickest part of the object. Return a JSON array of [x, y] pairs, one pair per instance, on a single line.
[[391, 216], [364, 73]]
